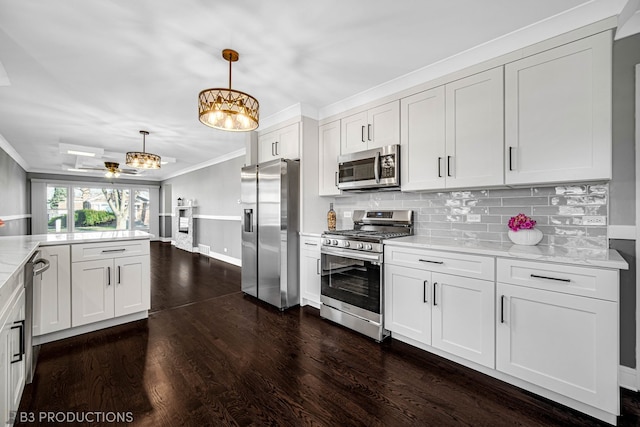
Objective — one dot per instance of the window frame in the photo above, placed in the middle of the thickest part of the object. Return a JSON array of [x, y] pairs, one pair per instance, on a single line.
[[72, 185]]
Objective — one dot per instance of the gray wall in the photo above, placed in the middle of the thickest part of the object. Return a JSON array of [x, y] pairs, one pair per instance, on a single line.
[[622, 208], [216, 191], [626, 54], [14, 196]]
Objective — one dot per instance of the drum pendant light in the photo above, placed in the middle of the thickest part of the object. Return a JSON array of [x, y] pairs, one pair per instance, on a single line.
[[228, 109], [143, 160]]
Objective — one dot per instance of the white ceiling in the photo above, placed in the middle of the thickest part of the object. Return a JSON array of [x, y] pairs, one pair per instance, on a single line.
[[95, 72]]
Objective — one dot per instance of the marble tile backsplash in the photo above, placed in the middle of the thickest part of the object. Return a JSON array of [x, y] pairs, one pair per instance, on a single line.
[[564, 214]]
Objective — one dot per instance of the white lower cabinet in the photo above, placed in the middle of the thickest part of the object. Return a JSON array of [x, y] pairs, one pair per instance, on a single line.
[[12, 351], [550, 335], [52, 294], [310, 271], [107, 288], [546, 327], [564, 343], [448, 312]]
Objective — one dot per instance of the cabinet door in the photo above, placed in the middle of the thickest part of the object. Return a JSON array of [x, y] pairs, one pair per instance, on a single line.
[[353, 137], [132, 285], [422, 141], [474, 130], [329, 147], [463, 317], [565, 343], [407, 307], [310, 278], [267, 147], [288, 142], [5, 362], [558, 114], [92, 291], [52, 295], [383, 125], [15, 345]]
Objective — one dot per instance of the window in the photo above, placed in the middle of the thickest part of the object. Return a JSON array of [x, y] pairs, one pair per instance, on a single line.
[[100, 209], [57, 209], [96, 208]]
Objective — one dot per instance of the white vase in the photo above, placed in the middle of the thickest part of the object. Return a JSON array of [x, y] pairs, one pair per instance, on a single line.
[[528, 237]]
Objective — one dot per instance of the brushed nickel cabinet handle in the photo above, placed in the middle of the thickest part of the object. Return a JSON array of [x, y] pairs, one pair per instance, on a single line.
[[108, 276], [501, 308], [362, 133]]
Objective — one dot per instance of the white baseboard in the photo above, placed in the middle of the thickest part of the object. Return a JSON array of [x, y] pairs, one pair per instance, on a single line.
[[165, 239], [628, 378], [221, 257]]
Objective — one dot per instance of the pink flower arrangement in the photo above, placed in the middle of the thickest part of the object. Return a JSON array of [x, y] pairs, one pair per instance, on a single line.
[[521, 222]]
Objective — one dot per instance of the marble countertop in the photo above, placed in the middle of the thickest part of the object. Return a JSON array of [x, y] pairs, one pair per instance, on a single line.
[[15, 251], [607, 258], [306, 234]]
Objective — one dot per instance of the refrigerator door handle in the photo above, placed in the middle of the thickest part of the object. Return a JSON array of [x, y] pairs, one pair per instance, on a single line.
[[248, 220]]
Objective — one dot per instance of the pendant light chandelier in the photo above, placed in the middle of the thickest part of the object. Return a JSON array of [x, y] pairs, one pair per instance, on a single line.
[[228, 109], [143, 160]]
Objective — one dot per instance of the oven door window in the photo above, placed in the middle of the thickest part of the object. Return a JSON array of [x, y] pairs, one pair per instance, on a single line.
[[354, 281], [358, 170]]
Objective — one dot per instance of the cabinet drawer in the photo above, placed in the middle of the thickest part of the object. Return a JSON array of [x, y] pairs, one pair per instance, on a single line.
[[9, 288], [93, 251], [474, 266], [585, 281], [310, 244]]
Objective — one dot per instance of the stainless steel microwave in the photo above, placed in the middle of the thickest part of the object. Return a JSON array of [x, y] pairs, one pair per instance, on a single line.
[[378, 168]]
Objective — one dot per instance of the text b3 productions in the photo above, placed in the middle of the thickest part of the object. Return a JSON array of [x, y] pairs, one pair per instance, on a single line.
[[69, 417]]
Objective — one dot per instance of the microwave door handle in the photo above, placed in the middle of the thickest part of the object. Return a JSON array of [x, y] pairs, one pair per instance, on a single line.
[[376, 168]]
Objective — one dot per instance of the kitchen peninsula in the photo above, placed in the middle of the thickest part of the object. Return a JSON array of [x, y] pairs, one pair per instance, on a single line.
[[88, 281], [95, 280]]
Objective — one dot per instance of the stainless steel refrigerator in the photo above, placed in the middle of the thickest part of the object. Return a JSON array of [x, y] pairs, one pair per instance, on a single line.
[[270, 226]]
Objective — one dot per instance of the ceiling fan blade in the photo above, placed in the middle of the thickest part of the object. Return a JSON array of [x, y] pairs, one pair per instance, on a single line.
[[93, 169], [129, 171]]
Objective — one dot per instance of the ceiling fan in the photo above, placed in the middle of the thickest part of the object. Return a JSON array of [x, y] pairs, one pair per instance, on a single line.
[[112, 170]]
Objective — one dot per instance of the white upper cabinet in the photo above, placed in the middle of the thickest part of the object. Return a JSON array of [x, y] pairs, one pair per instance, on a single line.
[[282, 143], [452, 135], [329, 150], [373, 128], [474, 130], [422, 147], [558, 114]]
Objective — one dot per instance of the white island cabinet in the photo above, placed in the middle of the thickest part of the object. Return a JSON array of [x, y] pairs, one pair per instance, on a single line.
[[52, 294], [109, 280], [12, 355]]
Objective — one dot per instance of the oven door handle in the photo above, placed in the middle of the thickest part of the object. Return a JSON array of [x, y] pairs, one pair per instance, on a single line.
[[353, 255]]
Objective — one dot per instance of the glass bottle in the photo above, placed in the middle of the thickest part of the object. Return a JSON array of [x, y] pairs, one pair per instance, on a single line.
[[331, 218]]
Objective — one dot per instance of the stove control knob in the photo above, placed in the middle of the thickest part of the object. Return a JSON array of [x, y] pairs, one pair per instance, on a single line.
[[359, 246], [346, 244], [368, 247], [327, 241], [334, 242]]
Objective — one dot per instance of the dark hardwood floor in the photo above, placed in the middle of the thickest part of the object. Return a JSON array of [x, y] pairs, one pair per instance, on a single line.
[[208, 355]]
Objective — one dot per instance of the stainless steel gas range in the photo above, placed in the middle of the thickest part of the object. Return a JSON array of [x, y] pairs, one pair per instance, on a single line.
[[352, 291]]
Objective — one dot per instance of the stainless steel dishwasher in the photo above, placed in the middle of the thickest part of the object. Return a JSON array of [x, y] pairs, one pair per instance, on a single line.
[[32, 277]]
